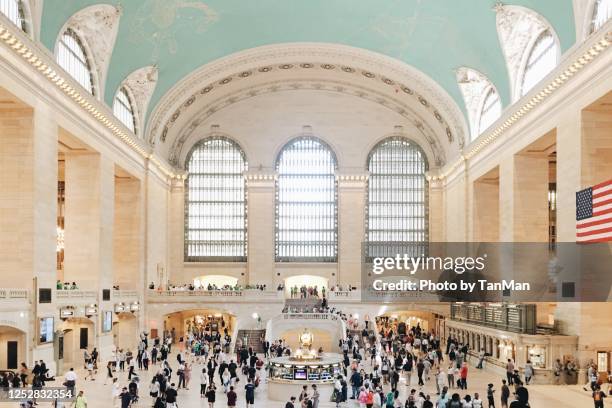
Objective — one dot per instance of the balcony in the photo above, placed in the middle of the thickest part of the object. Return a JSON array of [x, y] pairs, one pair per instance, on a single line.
[[76, 295], [215, 296], [311, 316], [13, 293]]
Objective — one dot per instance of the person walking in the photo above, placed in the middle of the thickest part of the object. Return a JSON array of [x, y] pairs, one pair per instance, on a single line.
[[249, 390], [528, 371], [290, 403], [211, 395], [80, 401], [316, 395], [109, 373], [70, 380], [505, 394], [598, 396], [463, 373], [204, 379], [510, 371], [231, 397], [171, 396]]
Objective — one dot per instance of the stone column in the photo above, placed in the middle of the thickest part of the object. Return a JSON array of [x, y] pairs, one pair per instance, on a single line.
[[436, 211], [176, 231], [127, 250], [261, 228], [530, 198], [352, 190], [89, 219]]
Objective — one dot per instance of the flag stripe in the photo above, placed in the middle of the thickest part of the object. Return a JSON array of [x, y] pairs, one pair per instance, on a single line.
[[592, 221], [604, 184], [604, 209], [602, 189], [594, 228], [603, 200], [595, 231]]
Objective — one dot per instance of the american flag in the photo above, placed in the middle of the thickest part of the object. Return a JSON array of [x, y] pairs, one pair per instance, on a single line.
[[594, 213]]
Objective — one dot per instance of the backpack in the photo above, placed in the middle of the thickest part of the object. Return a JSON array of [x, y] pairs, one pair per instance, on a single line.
[[389, 402]]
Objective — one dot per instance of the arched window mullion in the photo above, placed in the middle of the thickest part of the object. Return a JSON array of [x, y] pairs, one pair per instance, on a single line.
[[72, 57], [397, 206], [602, 12], [541, 60], [306, 203], [215, 202], [123, 109], [13, 10]]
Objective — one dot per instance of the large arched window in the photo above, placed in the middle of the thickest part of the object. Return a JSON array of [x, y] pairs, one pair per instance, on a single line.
[[602, 12], [124, 109], [13, 10], [72, 57], [491, 110], [306, 202], [397, 207], [542, 59], [215, 202]]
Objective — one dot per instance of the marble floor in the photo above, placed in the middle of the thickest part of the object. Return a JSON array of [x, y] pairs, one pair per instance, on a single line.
[[541, 396]]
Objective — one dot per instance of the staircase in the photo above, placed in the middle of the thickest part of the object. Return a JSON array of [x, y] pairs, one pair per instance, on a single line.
[[253, 339]]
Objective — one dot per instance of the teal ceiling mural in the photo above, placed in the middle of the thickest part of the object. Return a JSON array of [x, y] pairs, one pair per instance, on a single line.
[[435, 36]]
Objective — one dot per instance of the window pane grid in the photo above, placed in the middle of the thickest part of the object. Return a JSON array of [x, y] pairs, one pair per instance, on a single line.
[[215, 202], [13, 10], [397, 209], [491, 110], [71, 57], [602, 12], [123, 110], [306, 203], [542, 59]]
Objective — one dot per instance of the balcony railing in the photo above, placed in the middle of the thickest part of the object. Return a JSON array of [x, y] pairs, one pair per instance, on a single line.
[[242, 294], [76, 294], [6, 293], [122, 293], [311, 316]]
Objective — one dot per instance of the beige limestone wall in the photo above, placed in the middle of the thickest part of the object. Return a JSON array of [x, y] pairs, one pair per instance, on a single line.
[[351, 230], [436, 212], [486, 209], [89, 219], [127, 244], [17, 209], [530, 198], [157, 243], [260, 221], [176, 231]]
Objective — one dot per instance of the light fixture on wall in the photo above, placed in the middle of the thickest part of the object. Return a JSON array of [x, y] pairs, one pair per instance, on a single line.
[[59, 247]]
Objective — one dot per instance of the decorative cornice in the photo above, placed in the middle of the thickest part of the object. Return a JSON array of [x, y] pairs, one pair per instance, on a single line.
[[395, 104], [31, 53], [353, 177], [303, 56], [573, 64]]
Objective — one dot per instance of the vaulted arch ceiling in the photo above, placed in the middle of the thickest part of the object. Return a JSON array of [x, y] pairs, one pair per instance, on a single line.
[[435, 37]]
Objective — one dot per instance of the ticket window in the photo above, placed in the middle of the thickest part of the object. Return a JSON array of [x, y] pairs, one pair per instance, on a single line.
[[603, 361], [537, 356]]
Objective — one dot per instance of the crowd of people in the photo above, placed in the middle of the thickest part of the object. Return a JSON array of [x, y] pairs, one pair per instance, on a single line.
[[209, 287], [376, 360], [306, 292], [59, 285]]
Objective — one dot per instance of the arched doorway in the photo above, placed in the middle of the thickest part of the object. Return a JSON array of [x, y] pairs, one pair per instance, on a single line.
[[125, 331], [409, 319], [305, 280], [12, 347], [79, 335], [179, 324]]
